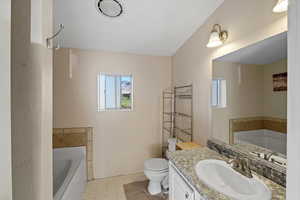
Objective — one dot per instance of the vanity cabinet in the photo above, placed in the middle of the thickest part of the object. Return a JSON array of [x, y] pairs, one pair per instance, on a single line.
[[179, 188]]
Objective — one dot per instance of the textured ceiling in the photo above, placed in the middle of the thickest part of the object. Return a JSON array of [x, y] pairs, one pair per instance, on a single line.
[[267, 51], [145, 27]]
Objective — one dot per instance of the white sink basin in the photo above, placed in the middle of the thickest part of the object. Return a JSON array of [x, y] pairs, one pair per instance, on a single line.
[[219, 176]]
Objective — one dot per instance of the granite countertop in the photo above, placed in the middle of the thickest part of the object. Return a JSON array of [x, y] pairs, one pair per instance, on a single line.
[[186, 160], [245, 149]]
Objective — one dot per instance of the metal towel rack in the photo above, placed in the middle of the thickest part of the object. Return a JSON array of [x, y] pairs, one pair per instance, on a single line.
[[177, 120], [49, 39], [183, 113]]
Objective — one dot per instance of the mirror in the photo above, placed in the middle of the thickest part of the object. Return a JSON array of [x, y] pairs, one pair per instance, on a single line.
[[249, 98]]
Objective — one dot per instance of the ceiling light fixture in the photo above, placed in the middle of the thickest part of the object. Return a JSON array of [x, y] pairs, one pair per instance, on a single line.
[[281, 6], [217, 36], [109, 8]]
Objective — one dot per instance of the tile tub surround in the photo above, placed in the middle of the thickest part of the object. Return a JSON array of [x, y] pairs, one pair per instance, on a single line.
[[76, 137], [265, 168], [186, 160], [256, 123]]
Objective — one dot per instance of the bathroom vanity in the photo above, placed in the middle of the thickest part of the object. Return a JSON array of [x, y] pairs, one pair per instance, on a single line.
[[179, 186], [186, 184]]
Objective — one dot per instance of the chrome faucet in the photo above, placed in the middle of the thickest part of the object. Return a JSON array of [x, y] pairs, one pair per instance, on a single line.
[[268, 156], [241, 165]]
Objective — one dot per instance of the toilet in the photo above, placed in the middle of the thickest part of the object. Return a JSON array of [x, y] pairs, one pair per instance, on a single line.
[[156, 170]]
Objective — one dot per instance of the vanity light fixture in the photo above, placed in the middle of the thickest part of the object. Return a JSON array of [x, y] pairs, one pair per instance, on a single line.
[[217, 36], [281, 6]]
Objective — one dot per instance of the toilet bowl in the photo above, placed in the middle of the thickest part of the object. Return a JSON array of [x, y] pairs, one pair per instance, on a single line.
[[155, 169]]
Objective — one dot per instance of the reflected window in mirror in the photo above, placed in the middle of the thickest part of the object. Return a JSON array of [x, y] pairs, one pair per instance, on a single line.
[[218, 98]]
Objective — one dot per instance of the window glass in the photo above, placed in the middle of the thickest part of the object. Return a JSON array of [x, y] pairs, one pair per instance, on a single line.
[[110, 92], [218, 93], [126, 97], [214, 97]]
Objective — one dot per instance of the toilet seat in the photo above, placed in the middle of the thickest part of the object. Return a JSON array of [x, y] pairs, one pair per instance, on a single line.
[[158, 165], [156, 173]]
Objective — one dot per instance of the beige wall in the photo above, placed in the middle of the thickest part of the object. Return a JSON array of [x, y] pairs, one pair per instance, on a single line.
[[275, 103], [193, 61], [5, 122], [122, 140], [244, 95], [31, 75]]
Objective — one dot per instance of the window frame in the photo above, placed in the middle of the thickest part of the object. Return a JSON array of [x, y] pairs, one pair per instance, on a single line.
[[220, 103], [99, 93]]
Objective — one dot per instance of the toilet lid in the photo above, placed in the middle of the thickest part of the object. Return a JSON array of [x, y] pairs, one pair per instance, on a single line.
[[156, 164]]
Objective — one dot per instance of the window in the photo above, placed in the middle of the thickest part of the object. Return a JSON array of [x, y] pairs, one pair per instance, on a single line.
[[114, 92], [218, 98]]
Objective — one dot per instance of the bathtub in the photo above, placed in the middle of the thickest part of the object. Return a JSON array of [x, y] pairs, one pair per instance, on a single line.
[[275, 141], [69, 173]]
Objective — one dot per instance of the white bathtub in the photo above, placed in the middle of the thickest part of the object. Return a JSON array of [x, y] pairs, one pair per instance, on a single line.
[[69, 173], [268, 139]]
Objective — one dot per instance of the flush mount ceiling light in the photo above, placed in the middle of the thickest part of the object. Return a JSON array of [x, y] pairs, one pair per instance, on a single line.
[[281, 6], [109, 8], [217, 36]]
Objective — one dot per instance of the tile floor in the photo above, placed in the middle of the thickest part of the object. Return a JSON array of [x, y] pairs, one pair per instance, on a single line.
[[138, 191], [110, 188]]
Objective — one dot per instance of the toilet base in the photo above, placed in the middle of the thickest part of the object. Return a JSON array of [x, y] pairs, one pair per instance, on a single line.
[[154, 187]]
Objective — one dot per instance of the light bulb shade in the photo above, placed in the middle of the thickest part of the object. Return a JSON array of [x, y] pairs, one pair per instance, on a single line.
[[214, 40], [281, 6]]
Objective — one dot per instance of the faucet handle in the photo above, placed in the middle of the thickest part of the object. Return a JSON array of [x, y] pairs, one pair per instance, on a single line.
[[234, 162], [230, 161]]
